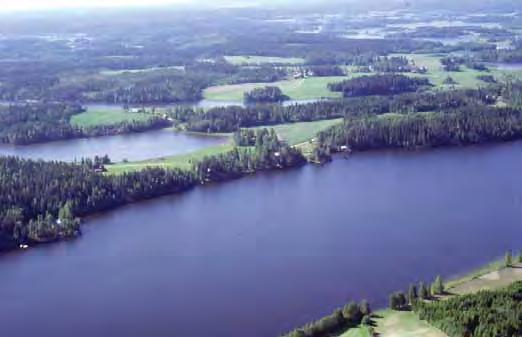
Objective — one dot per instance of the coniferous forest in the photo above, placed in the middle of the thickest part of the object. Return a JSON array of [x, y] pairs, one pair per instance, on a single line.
[[485, 314]]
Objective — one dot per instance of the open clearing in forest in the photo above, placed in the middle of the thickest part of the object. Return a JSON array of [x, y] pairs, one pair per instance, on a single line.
[[404, 324], [93, 118], [297, 89]]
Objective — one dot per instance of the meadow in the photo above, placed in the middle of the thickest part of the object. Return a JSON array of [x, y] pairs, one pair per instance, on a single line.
[[92, 118]]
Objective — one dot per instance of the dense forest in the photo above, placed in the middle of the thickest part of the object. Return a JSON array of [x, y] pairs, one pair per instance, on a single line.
[[33, 194], [43, 122], [389, 84], [231, 118], [485, 314], [269, 94], [265, 152], [467, 125]]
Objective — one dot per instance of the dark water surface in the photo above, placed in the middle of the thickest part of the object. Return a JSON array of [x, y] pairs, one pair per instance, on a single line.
[[258, 256], [133, 147]]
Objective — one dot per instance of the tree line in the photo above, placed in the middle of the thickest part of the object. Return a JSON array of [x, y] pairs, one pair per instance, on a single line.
[[43, 122], [467, 125], [387, 84], [232, 118], [349, 316]]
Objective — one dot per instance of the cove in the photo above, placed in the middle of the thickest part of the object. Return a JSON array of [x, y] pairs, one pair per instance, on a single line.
[[132, 147], [264, 254]]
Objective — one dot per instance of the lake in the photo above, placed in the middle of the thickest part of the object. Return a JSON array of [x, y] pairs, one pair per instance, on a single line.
[[133, 147], [259, 256]]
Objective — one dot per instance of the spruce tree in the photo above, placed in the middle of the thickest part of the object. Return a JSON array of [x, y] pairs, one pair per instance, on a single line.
[[508, 259]]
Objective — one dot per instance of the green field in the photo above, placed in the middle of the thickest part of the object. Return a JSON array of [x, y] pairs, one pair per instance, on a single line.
[[466, 78], [298, 89], [257, 60], [93, 118], [297, 133], [294, 134], [357, 332], [183, 161]]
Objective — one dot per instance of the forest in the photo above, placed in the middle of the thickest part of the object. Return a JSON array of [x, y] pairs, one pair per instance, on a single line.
[[267, 94], [35, 195], [231, 118], [388, 84], [463, 126], [351, 315], [484, 314], [43, 122]]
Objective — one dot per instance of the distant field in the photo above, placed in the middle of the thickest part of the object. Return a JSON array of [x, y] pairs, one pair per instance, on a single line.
[[184, 161], [101, 117], [256, 60], [299, 89], [466, 78], [137, 71], [297, 133]]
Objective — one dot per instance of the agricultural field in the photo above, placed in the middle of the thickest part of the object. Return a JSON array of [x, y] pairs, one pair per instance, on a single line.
[[297, 89], [298, 133], [466, 78], [92, 118], [184, 161], [258, 60]]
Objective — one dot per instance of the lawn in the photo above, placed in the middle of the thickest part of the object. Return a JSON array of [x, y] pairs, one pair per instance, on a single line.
[[257, 60], [92, 118], [296, 89], [183, 161]]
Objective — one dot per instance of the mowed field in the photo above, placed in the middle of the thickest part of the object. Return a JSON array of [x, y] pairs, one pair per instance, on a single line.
[[92, 118], [296, 89], [247, 60]]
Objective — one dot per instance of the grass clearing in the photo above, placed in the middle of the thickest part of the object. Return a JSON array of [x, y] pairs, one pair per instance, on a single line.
[[296, 89], [492, 277], [297, 133], [361, 331], [183, 161], [248, 60], [404, 324], [93, 118]]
